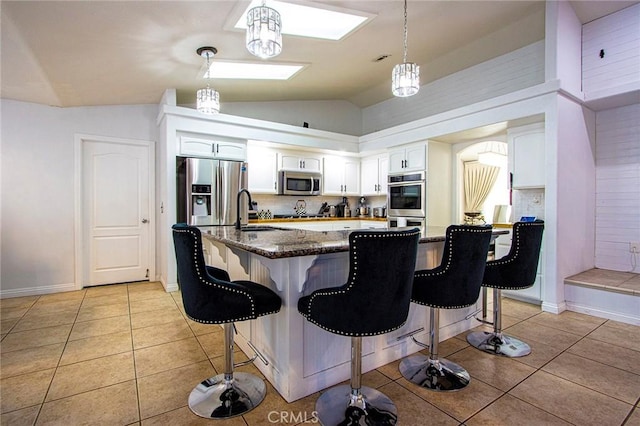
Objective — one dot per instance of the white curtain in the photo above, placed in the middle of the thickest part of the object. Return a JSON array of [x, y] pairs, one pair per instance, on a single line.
[[478, 180]]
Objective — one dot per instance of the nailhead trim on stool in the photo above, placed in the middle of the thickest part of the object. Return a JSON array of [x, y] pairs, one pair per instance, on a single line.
[[351, 282]]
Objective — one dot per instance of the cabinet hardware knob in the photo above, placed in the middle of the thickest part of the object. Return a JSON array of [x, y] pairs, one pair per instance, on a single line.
[[145, 220]]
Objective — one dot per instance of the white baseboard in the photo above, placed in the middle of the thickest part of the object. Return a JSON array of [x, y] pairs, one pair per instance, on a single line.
[[168, 287], [37, 291], [600, 313], [554, 308]]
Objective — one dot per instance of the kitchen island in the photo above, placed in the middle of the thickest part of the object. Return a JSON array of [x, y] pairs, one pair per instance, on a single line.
[[303, 358]]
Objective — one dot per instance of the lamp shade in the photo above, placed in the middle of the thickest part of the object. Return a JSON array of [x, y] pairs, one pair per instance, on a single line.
[[264, 37], [405, 80], [208, 101]]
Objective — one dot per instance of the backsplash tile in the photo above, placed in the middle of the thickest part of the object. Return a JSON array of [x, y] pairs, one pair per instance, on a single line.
[[528, 202], [284, 204]]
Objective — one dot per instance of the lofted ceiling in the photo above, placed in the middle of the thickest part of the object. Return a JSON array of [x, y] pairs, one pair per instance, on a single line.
[[73, 53]]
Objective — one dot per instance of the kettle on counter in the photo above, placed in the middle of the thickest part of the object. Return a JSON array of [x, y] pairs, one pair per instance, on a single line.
[[300, 208]]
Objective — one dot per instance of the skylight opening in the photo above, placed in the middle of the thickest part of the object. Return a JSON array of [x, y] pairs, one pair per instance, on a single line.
[[253, 70], [308, 21]]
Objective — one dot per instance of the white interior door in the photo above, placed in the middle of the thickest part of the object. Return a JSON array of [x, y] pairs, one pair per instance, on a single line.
[[116, 191]]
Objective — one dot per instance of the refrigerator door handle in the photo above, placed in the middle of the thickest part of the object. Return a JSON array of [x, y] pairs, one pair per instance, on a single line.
[[219, 192]]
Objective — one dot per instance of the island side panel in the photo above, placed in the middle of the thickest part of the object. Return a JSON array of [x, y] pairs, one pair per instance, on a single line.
[[303, 358]]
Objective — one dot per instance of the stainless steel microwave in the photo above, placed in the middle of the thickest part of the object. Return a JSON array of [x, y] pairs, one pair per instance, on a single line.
[[299, 183]]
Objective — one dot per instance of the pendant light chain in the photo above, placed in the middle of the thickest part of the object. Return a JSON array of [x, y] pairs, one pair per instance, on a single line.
[[209, 68], [207, 99], [405, 32], [405, 78]]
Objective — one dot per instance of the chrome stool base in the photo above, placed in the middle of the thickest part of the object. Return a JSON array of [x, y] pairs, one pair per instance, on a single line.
[[218, 398], [438, 375], [492, 343], [341, 405]]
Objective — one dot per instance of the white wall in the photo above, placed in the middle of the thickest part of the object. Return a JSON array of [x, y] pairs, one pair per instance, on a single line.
[[617, 186], [37, 220], [333, 116], [505, 74], [570, 199]]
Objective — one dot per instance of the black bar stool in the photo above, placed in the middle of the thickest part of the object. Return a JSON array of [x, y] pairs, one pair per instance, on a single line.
[[452, 285], [210, 297], [375, 300], [515, 271]]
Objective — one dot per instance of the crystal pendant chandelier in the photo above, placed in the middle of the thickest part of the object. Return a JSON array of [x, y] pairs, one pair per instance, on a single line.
[[207, 99], [264, 38], [405, 80]]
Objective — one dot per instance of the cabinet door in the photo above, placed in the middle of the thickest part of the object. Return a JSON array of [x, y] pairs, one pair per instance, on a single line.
[[369, 176], [313, 164], [196, 147], [396, 161], [290, 162], [297, 161], [263, 170], [372, 224], [383, 174], [416, 157], [527, 152], [230, 151], [333, 176], [351, 173]]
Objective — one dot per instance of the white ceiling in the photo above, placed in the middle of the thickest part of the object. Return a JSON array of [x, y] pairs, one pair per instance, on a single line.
[[72, 53]]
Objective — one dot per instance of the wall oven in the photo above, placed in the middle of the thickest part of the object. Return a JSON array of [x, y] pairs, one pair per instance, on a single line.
[[407, 195], [299, 183]]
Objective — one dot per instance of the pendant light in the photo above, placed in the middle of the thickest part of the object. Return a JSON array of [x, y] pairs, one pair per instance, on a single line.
[[264, 37], [405, 80], [207, 99]]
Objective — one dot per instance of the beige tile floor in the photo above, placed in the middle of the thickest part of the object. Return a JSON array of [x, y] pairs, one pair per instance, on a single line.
[[125, 354]]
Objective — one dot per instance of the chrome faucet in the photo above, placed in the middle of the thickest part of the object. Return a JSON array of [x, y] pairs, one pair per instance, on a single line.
[[238, 206]]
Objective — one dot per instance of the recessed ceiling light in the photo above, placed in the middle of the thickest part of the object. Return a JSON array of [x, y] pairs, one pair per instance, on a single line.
[[253, 70], [330, 23]]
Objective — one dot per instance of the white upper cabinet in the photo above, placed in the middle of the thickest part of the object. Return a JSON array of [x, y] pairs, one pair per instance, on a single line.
[[263, 170], [341, 176], [210, 148], [610, 54], [526, 156], [373, 175], [292, 160], [407, 159]]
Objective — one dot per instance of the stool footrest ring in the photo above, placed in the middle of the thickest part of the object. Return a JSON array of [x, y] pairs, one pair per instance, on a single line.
[[256, 353]]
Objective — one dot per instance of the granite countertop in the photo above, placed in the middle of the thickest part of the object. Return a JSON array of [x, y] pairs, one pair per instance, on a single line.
[[283, 243], [315, 218]]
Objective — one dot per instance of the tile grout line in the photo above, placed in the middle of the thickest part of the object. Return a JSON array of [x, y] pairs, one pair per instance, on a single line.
[[84, 295], [579, 384], [133, 357]]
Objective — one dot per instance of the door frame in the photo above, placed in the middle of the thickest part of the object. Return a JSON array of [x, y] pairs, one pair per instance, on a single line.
[[79, 225]]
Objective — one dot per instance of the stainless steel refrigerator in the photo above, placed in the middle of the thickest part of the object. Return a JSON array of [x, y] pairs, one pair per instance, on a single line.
[[207, 191]]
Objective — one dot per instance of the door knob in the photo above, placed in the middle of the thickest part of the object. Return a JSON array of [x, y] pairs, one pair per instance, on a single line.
[[145, 220]]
